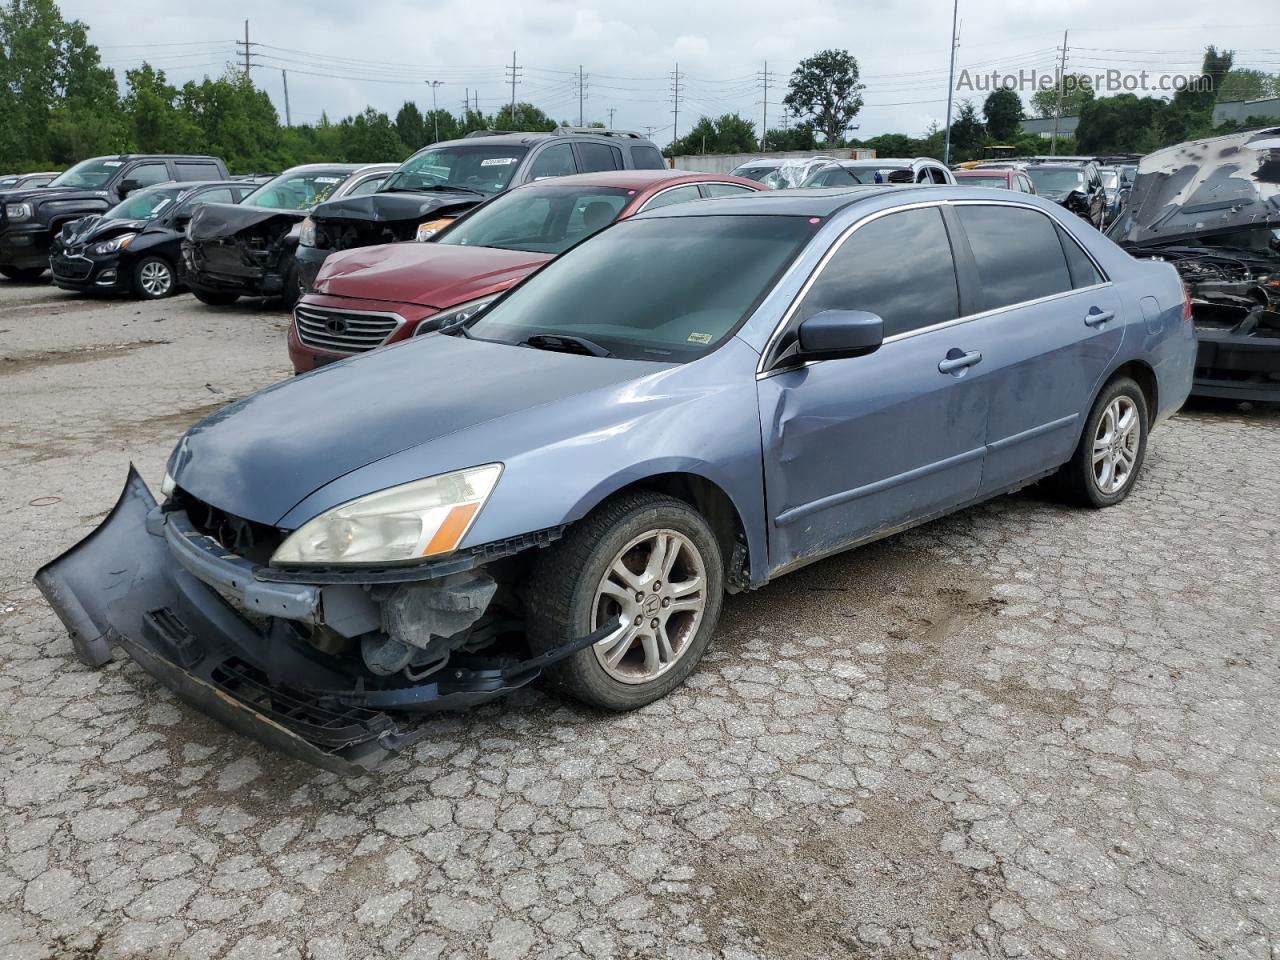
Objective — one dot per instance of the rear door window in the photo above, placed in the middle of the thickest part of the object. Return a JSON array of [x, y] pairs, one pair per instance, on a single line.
[[674, 195], [367, 186], [867, 272], [198, 170], [1017, 252], [645, 156], [594, 157], [725, 189], [554, 161]]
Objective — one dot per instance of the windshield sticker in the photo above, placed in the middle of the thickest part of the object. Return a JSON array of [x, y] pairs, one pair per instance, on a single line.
[[498, 162], [328, 179], [699, 338], [113, 163]]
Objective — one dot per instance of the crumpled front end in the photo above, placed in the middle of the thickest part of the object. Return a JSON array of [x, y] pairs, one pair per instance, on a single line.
[[323, 671], [247, 251]]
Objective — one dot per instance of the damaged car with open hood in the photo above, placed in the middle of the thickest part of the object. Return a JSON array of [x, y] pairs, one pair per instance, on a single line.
[[1212, 209], [692, 401], [247, 249]]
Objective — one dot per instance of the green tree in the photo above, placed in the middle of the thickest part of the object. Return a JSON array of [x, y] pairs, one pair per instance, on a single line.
[[155, 120], [412, 127], [967, 133], [729, 133], [49, 72], [1124, 123], [238, 122], [798, 137], [825, 90], [1003, 110], [527, 118], [1076, 92], [1240, 83], [370, 137]]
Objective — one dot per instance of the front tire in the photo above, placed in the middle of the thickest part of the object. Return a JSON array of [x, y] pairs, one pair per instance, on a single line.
[[23, 274], [1112, 447], [215, 298], [644, 557], [154, 279], [291, 292]]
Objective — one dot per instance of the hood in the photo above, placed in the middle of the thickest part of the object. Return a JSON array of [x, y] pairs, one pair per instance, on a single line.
[[215, 221], [260, 456], [94, 228], [384, 207], [434, 275], [37, 194], [1203, 187]]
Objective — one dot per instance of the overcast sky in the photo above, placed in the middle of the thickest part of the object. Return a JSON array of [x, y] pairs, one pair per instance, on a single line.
[[341, 56]]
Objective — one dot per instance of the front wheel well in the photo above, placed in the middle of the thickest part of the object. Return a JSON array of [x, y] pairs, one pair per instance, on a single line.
[[716, 508]]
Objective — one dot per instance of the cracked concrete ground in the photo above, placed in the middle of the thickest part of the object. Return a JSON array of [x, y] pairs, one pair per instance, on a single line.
[[1023, 731]]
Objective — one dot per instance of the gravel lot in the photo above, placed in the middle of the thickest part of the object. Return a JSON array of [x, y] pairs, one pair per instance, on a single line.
[[1021, 731]]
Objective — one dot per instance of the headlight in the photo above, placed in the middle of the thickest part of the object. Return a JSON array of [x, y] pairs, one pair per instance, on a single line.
[[307, 234], [424, 518], [429, 229], [167, 485], [17, 211], [114, 244], [459, 314]]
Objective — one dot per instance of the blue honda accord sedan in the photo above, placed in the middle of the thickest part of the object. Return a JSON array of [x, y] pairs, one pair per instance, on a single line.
[[692, 402]]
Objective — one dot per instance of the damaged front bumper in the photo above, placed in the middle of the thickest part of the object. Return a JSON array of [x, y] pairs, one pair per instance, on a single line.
[[1235, 366], [204, 624]]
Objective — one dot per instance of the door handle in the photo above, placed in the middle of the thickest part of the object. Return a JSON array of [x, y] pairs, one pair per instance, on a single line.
[[1098, 318], [953, 363]]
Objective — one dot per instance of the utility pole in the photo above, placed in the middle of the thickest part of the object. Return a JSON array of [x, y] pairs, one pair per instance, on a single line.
[[612, 110], [676, 89], [764, 119], [466, 104], [435, 117], [248, 49], [582, 92], [288, 117], [515, 76], [1057, 111], [951, 82]]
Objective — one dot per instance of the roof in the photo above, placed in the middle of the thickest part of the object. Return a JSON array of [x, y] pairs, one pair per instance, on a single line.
[[158, 156], [333, 167], [791, 203], [1006, 172], [639, 179], [484, 139]]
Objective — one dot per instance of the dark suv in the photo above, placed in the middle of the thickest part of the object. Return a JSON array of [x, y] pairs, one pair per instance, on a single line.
[[444, 180], [1074, 185], [30, 219]]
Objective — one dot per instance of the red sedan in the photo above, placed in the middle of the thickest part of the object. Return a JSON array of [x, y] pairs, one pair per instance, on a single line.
[[373, 296]]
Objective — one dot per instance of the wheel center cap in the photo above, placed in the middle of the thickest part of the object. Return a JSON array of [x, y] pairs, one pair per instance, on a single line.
[[652, 604]]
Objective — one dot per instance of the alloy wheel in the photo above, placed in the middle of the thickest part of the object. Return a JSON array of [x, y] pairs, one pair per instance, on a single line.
[[657, 584], [156, 278], [1115, 445]]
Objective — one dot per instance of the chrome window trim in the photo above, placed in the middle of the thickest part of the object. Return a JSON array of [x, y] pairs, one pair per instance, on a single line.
[[675, 186], [821, 265]]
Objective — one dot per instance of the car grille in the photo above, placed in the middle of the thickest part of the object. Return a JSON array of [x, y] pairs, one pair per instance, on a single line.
[[343, 330], [71, 268]]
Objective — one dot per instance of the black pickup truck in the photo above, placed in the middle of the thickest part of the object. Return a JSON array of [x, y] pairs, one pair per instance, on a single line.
[[30, 219]]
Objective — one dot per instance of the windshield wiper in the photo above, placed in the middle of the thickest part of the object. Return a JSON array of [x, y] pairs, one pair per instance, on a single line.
[[447, 187], [565, 344]]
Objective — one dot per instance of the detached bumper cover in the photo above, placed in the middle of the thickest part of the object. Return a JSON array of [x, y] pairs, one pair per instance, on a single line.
[[148, 585], [1237, 366]]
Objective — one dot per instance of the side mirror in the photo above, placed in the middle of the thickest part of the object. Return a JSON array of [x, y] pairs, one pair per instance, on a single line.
[[834, 334]]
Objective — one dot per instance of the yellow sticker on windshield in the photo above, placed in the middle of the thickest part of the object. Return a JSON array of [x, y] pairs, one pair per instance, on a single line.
[[699, 338]]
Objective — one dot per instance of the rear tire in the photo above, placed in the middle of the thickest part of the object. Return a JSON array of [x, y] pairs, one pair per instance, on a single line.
[[1112, 448], [641, 545], [23, 274], [215, 298]]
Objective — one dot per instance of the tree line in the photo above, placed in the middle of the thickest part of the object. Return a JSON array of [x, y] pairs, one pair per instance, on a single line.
[[60, 105]]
